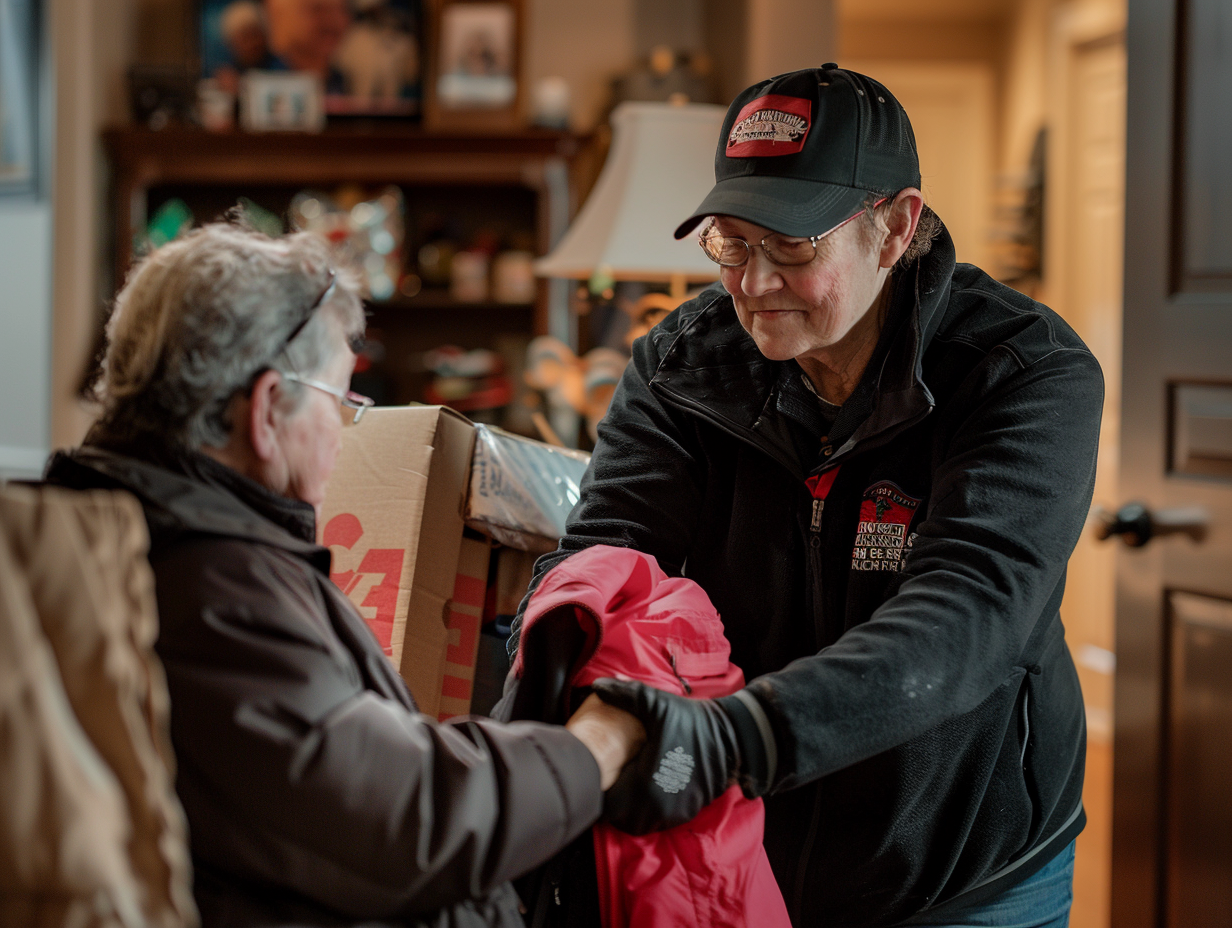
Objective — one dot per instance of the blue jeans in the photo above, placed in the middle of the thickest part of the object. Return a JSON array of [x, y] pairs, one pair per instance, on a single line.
[[1040, 901]]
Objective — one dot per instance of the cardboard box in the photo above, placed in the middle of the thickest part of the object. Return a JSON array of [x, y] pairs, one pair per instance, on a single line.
[[514, 571], [392, 519], [465, 620]]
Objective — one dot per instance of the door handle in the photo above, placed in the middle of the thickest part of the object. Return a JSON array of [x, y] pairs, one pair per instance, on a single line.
[[1136, 524]]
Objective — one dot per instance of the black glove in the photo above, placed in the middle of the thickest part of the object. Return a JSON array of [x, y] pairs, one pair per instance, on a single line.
[[690, 757]]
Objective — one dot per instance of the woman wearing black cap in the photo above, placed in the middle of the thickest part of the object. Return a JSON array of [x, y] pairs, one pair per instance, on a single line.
[[876, 462]]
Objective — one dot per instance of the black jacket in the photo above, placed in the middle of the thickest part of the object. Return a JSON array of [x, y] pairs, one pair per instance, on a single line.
[[315, 793], [904, 638]]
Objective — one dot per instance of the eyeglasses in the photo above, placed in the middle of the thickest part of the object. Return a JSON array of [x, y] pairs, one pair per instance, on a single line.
[[311, 310], [782, 250], [353, 404]]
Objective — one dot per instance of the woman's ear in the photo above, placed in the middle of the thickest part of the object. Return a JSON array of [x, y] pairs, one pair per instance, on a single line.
[[263, 416], [901, 220]]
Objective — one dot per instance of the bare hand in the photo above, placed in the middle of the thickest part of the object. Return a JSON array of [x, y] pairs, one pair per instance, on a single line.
[[612, 735]]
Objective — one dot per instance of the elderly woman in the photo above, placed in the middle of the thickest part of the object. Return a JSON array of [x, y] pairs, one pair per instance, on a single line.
[[315, 793]]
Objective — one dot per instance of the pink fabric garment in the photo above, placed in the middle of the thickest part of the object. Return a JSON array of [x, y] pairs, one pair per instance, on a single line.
[[664, 631]]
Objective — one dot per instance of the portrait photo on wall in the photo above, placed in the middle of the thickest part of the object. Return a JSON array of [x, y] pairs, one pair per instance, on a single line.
[[367, 53], [477, 56]]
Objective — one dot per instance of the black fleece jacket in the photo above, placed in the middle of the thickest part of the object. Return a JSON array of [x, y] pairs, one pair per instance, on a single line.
[[903, 637]]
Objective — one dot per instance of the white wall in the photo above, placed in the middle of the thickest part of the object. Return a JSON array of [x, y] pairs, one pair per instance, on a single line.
[[25, 337], [25, 307], [587, 42]]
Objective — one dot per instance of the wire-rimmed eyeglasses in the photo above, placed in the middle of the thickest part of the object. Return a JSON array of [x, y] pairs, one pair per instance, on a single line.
[[353, 404], [779, 249]]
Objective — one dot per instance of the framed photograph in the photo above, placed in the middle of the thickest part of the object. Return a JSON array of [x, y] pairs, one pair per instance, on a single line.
[[281, 101], [19, 103], [477, 54], [367, 54]]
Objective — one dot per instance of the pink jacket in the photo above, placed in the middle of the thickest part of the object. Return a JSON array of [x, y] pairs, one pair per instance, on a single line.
[[641, 624]]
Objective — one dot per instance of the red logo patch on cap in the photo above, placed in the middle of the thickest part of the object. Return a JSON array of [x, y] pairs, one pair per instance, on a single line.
[[769, 126]]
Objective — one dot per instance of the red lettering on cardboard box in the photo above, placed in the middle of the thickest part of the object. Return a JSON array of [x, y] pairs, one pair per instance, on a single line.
[[469, 591], [456, 687], [462, 651], [344, 530]]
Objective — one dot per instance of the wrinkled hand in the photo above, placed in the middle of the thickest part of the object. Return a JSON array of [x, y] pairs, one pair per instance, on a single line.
[[689, 758], [611, 735]]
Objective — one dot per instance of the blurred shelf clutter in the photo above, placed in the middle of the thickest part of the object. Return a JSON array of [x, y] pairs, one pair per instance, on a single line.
[[441, 229], [622, 242]]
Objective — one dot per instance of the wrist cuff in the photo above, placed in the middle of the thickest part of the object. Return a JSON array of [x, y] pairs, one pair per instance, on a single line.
[[754, 740]]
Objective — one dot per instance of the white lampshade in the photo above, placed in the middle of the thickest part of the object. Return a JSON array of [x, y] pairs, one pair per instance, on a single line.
[[661, 166]]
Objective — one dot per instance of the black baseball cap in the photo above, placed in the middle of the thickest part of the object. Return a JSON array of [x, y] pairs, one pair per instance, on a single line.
[[801, 152]]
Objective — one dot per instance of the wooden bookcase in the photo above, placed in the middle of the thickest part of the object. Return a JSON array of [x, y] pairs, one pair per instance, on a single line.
[[529, 178]]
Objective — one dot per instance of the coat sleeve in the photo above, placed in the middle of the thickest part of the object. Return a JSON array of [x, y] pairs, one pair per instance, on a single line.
[[1010, 494], [295, 774]]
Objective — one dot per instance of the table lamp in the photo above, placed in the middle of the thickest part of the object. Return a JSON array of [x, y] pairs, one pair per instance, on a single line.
[[659, 169]]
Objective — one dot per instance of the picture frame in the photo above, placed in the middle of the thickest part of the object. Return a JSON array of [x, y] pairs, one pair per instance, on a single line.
[[368, 54], [20, 42], [475, 68], [281, 101]]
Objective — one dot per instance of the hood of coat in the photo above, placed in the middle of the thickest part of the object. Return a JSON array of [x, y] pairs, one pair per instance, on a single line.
[[709, 362], [187, 494], [638, 623]]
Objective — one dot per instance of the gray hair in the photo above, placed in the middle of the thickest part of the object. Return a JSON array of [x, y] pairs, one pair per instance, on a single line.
[[199, 319], [872, 223]]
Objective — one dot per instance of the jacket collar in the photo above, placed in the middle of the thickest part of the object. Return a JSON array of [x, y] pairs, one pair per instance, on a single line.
[[713, 367], [191, 493]]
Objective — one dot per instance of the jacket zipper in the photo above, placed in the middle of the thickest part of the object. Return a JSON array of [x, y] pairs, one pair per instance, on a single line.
[[819, 486]]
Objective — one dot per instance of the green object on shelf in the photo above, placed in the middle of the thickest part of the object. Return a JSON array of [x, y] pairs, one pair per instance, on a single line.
[[172, 218]]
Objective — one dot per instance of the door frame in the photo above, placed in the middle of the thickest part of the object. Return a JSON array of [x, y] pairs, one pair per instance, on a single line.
[[1147, 575]]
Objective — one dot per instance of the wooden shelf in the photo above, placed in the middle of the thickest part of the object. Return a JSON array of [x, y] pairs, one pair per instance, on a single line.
[[387, 153], [552, 165]]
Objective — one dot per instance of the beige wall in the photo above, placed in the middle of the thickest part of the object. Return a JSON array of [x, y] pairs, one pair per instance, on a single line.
[[784, 35], [92, 43], [947, 75], [1024, 81], [587, 42]]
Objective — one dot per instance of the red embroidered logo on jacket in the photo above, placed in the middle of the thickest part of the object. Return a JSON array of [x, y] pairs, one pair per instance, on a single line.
[[885, 513], [770, 125]]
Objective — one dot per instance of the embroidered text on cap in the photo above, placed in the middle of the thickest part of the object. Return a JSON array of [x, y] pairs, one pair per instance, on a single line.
[[769, 126]]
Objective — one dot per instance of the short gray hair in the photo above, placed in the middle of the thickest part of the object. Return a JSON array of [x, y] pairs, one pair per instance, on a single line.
[[872, 222], [199, 319]]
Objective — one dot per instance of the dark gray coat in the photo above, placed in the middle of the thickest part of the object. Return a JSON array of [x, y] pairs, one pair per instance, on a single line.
[[315, 793]]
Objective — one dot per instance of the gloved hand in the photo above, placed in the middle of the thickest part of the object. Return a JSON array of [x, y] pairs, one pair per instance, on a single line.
[[689, 759]]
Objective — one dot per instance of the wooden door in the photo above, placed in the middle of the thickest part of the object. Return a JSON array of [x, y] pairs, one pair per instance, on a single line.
[[1172, 818]]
